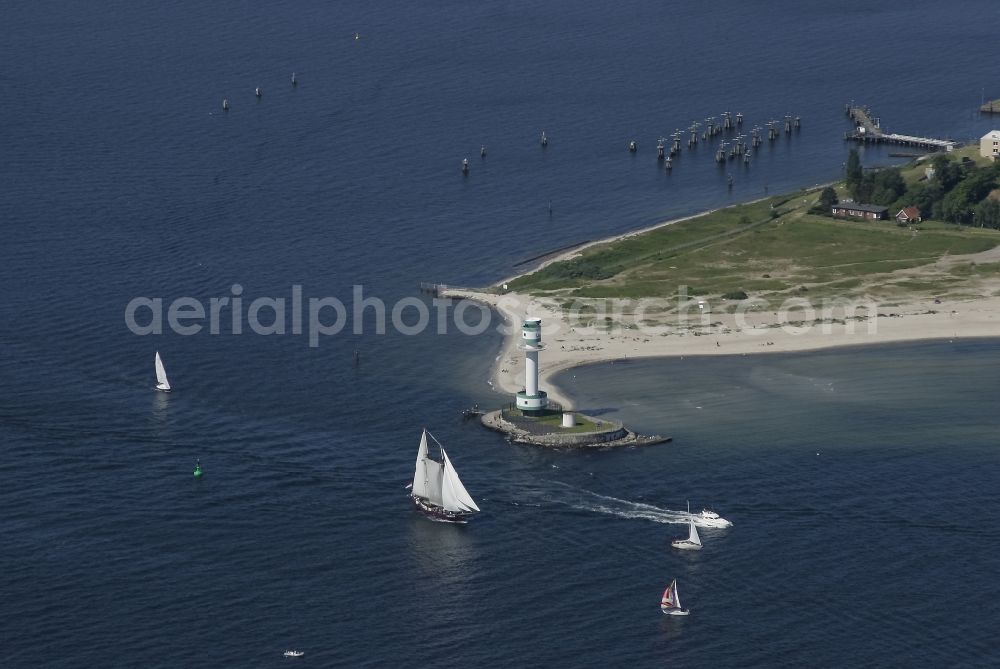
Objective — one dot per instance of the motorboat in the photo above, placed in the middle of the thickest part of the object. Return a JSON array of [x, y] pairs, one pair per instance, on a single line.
[[709, 518]]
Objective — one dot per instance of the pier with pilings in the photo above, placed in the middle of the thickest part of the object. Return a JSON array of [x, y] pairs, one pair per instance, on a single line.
[[435, 289], [732, 138], [868, 130]]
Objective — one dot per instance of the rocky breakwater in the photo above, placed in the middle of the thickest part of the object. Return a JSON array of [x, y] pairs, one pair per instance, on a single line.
[[587, 431]]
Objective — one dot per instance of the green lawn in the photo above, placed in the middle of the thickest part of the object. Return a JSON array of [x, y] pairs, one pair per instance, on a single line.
[[553, 419], [746, 248]]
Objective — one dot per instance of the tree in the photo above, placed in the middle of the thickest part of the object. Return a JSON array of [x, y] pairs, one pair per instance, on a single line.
[[939, 161], [853, 172], [946, 171], [891, 181], [827, 198], [925, 195], [883, 196], [955, 208], [959, 204], [864, 188], [987, 214], [980, 182], [883, 187]]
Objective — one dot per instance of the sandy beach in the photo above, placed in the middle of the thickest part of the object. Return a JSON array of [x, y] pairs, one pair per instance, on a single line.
[[625, 329]]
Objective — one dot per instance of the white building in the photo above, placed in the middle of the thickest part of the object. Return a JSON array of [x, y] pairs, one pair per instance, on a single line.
[[989, 145], [531, 400]]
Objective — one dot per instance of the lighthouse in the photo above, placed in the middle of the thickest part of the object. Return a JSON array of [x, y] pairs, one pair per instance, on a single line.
[[531, 400]]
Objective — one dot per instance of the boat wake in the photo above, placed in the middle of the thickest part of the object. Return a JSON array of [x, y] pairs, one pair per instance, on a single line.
[[586, 500]]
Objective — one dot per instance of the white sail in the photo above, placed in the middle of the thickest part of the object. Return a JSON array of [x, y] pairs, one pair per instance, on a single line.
[[161, 374], [420, 472], [433, 471], [453, 494], [693, 534], [427, 475], [676, 598]]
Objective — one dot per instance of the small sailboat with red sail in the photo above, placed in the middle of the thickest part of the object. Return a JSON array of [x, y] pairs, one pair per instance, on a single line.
[[670, 604]]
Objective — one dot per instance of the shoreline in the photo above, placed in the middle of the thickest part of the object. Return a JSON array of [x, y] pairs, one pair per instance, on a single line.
[[575, 250], [571, 343], [569, 346]]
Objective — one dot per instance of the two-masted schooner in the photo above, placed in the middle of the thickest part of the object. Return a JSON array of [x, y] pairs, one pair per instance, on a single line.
[[437, 491]]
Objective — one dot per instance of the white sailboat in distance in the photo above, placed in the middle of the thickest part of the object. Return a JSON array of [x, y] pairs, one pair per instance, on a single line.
[[671, 602], [161, 375], [436, 490], [692, 542]]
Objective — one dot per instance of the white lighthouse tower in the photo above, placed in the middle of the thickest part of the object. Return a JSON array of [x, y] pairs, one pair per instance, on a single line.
[[531, 400]]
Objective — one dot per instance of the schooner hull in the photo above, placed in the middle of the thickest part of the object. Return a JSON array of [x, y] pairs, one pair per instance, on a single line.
[[439, 513]]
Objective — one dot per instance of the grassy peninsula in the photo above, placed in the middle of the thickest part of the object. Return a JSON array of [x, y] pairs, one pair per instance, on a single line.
[[749, 267], [786, 246]]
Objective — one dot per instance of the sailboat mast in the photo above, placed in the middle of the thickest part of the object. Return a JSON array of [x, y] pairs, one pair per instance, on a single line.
[[440, 447], [427, 484]]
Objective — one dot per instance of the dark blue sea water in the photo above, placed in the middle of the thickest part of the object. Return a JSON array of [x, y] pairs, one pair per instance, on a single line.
[[120, 177]]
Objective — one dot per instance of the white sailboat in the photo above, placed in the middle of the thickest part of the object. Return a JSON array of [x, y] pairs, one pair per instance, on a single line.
[[692, 542], [671, 602], [161, 375], [436, 490]]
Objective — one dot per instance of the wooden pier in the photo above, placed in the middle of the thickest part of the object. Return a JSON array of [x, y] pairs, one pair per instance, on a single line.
[[434, 289], [868, 130]]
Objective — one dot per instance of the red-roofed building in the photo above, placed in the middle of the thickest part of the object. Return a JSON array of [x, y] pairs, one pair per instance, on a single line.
[[908, 215]]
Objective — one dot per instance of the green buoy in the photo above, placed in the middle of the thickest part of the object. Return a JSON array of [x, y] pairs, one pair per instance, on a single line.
[[197, 470]]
